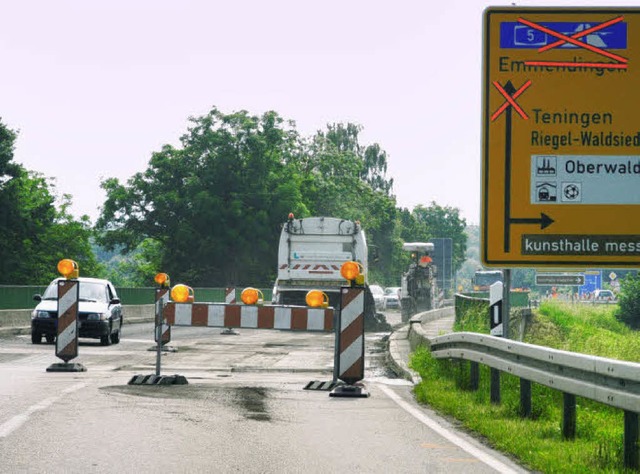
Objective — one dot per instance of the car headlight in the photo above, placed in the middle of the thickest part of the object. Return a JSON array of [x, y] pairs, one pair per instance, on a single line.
[[97, 316], [40, 314]]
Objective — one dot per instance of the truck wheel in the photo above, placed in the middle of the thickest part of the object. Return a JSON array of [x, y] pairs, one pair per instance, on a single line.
[[36, 338], [50, 338]]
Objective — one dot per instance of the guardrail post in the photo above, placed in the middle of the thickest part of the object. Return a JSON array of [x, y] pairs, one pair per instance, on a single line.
[[569, 416], [495, 386], [474, 376], [525, 398], [631, 440]]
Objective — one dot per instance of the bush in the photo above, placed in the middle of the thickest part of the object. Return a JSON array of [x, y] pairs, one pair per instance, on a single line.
[[629, 302]]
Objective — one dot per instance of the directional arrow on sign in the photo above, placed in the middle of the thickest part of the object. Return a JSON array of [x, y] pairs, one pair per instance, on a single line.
[[544, 220], [510, 94]]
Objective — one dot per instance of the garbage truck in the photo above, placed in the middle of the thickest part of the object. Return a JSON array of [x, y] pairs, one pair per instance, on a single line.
[[311, 252]]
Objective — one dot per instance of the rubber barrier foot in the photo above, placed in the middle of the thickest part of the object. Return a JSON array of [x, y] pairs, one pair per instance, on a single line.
[[66, 367], [158, 380], [318, 385], [350, 391]]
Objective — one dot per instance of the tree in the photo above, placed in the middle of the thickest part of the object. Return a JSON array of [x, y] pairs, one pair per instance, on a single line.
[[443, 222], [216, 204], [628, 310], [34, 235], [343, 178]]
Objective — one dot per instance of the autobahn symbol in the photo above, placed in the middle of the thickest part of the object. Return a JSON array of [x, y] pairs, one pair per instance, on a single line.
[[552, 279]]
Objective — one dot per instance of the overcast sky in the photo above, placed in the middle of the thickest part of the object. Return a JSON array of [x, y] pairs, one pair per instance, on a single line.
[[94, 87]]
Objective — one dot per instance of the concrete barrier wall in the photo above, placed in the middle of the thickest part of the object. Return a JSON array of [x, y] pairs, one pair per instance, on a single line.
[[18, 321]]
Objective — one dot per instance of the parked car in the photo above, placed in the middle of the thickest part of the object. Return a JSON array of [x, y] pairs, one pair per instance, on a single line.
[[392, 297], [99, 312], [378, 296]]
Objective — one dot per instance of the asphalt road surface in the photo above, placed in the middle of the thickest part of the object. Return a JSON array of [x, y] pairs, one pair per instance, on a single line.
[[244, 409]]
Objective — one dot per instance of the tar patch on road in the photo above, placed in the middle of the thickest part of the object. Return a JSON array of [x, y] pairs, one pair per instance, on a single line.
[[249, 402]]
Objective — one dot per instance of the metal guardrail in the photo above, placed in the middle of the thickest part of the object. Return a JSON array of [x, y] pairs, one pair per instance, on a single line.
[[612, 382], [608, 381]]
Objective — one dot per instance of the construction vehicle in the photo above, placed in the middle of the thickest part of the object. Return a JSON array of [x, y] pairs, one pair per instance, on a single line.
[[418, 282], [310, 254], [483, 279]]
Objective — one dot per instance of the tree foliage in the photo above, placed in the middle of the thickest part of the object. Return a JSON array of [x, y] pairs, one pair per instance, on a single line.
[[34, 234], [210, 211], [435, 222], [216, 204], [629, 302]]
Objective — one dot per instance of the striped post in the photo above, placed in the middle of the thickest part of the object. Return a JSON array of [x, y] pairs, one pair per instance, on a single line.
[[350, 338], [67, 340], [229, 298], [162, 298], [495, 309], [162, 330], [230, 295]]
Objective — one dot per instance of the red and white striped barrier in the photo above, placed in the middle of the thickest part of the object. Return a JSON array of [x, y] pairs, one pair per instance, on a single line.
[[162, 298], [230, 295], [67, 339], [295, 318], [351, 336]]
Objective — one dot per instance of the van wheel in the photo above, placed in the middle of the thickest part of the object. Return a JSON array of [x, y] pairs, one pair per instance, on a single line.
[[106, 340], [36, 338], [115, 337], [50, 338]]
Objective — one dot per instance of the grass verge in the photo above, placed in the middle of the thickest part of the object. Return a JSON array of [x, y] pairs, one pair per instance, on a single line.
[[538, 444]]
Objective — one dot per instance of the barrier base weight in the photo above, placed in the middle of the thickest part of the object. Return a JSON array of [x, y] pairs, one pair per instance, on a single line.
[[158, 380], [66, 367], [349, 391]]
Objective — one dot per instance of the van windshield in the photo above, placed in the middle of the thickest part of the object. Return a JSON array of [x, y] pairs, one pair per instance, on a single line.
[[89, 291]]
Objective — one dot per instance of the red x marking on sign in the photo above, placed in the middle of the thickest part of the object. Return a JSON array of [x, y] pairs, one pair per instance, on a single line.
[[510, 100], [573, 39]]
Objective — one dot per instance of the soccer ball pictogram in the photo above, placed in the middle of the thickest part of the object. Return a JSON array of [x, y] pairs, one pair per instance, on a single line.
[[571, 191]]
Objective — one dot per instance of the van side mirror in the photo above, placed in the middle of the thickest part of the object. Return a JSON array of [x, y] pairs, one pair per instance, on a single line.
[[37, 298], [115, 301]]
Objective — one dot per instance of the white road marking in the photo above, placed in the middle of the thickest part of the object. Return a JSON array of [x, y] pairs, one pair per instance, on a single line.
[[17, 421], [445, 433]]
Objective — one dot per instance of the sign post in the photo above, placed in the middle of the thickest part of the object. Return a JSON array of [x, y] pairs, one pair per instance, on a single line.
[[561, 138]]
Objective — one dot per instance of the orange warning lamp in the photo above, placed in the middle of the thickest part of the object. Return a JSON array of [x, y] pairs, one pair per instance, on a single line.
[[68, 268], [182, 293], [352, 271], [162, 279], [317, 299], [251, 296]]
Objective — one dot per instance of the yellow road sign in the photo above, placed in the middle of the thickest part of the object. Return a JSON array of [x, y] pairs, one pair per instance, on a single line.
[[561, 137]]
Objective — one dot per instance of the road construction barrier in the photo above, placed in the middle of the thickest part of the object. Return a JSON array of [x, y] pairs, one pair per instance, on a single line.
[[162, 329], [230, 295], [67, 339], [296, 318], [350, 338], [348, 324]]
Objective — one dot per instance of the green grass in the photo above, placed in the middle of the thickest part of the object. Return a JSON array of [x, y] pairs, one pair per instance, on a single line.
[[538, 444]]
